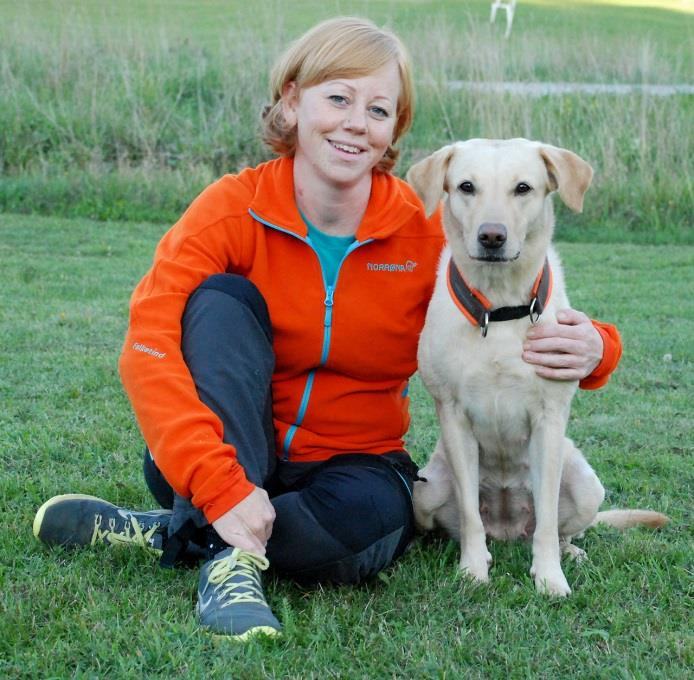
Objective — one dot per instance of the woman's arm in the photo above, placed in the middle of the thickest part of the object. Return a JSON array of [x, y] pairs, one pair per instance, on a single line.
[[184, 435]]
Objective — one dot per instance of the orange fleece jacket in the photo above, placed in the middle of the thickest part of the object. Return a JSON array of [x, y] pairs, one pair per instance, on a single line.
[[343, 357]]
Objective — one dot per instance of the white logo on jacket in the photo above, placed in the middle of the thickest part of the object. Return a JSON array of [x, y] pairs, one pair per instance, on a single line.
[[408, 266], [148, 350]]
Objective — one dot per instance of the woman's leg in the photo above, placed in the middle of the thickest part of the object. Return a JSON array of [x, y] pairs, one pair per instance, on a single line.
[[227, 346], [345, 521], [159, 487]]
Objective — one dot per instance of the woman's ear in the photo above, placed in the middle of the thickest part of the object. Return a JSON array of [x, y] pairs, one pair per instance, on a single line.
[[290, 99]]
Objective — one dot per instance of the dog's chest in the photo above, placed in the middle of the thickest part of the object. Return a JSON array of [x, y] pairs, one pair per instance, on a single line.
[[486, 376], [495, 388], [495, 391]]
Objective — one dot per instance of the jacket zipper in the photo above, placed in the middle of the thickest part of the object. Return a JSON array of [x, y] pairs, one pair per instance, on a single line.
[[328, 302]]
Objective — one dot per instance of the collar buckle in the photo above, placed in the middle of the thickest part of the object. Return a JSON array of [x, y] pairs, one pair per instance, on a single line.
[[485, 325], [534, 315]]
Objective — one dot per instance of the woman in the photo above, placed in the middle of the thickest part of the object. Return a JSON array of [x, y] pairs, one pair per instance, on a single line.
[[271, 342]]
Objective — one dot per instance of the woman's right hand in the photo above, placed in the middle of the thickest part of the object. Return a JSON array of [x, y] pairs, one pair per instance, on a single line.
[[248, 524]]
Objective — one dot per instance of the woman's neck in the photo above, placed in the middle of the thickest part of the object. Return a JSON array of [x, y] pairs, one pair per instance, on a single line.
[[336, 210]]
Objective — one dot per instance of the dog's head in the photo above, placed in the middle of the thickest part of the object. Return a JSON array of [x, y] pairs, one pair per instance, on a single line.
[[497, 192]]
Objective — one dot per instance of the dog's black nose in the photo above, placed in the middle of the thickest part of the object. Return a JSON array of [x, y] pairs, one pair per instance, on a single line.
[[492, 235]]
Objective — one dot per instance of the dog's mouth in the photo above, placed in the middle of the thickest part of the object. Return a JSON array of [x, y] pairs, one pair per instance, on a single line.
[[495, 257]]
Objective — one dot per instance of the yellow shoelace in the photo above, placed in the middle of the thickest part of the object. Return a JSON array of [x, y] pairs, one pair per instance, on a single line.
[[239, 563], [132, 533]]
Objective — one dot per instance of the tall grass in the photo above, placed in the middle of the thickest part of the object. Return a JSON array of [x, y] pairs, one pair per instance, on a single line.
[[130, 123]]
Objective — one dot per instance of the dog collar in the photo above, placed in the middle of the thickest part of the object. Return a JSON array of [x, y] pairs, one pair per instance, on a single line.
[[478, 310]]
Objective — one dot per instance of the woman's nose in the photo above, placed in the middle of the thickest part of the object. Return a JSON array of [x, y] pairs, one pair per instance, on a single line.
[[355, 120]]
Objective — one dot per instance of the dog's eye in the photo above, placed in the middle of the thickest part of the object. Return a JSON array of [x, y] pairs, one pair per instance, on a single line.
[[522, 188], [467, 187]]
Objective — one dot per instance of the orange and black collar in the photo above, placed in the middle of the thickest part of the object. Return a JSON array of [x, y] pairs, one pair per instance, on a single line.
[[478, 310]]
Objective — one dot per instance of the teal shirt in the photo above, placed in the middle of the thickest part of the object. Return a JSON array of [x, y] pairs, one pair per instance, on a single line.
[[330, 249]]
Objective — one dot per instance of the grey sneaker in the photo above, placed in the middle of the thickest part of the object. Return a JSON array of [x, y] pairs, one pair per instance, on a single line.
[[231, 602], [77, 520]]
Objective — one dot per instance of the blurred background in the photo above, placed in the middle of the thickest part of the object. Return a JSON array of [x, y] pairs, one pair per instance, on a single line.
[[125, 111]]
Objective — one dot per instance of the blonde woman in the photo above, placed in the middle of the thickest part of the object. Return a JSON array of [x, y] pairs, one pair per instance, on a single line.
[[271, 343]]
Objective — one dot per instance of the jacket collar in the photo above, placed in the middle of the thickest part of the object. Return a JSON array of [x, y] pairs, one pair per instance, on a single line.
[[388, 208]]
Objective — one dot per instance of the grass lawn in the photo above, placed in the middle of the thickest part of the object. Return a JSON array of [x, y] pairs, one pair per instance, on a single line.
[[66, 427], [124, 111]]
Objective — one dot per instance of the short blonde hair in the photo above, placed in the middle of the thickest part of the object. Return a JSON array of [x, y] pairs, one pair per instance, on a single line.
[[344, 47]]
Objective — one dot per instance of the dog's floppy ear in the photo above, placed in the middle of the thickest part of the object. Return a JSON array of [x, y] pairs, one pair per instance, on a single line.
[[568, 173], [428, 177]]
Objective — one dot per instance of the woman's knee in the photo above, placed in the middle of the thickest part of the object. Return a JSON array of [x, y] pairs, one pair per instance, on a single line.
[[238, 289]]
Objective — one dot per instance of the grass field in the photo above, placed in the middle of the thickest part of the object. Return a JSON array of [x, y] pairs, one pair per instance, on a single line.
[[126, 110], [66, 426], [122, 112]]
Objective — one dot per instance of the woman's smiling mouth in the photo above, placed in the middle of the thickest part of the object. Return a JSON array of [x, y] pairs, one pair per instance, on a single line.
[[346, 148]]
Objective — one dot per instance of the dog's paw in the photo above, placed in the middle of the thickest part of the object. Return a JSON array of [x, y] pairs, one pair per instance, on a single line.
[[550, 581], [476, 566], [573, 552]]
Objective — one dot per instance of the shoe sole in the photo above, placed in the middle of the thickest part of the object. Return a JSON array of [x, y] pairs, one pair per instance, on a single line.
[[41, 513], [267, 631]]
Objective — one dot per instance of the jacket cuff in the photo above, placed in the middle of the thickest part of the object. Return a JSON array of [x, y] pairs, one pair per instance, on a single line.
[[611, 354], [226, 500]]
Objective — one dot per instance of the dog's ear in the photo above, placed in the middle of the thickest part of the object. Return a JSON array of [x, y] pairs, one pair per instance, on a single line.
[[428, 177], [568, 173]]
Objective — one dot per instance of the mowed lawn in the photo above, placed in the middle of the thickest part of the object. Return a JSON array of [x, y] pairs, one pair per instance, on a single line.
[[66, 426], [123, 111]]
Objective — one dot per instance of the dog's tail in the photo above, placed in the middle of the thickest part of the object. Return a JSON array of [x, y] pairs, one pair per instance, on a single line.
[[625, 519]]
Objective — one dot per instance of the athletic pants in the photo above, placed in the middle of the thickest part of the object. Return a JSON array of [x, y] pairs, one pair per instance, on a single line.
[[342, 520]]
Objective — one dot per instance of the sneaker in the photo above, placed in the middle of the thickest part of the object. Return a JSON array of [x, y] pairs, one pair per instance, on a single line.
[[231, 602], [76, 520]]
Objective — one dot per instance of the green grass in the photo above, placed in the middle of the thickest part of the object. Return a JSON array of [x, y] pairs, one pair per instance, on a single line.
[[127, 110], [66, 426]]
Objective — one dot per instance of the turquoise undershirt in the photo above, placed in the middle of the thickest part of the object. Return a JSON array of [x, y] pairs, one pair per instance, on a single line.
[[331, 249]]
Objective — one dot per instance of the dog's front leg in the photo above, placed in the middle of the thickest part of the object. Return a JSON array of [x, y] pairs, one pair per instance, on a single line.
[[546, 460], [462, 453]]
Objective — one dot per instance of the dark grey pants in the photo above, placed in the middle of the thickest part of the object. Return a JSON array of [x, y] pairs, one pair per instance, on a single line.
[[342, 520]]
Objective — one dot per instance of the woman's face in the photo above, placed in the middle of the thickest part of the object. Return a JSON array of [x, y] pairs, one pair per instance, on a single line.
[[344, 126]]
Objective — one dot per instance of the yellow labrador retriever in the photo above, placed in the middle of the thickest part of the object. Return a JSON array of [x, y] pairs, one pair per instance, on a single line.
[[503, 465]]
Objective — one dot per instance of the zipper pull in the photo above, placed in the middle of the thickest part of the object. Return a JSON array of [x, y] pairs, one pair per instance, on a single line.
[[328, 302], [329, 296]]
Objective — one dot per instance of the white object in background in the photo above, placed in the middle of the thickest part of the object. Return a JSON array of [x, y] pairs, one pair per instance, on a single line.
[[510, 8]]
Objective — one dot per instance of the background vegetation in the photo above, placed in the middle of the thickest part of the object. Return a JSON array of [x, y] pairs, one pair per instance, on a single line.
[[126, 110], [113, 116]]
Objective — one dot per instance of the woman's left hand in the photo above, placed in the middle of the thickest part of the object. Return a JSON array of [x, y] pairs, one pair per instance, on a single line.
[[567, 350]]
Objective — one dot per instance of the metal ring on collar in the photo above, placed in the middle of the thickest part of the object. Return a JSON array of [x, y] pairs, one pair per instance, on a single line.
[[485, 326], [534, 316]]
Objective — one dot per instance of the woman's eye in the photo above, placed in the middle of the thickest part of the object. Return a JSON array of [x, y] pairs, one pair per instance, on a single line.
[[379, 112], [467, 187], [522, 188], [337, 99]]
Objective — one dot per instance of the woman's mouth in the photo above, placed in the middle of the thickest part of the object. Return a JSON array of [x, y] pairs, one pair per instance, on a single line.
[[345, 148]]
